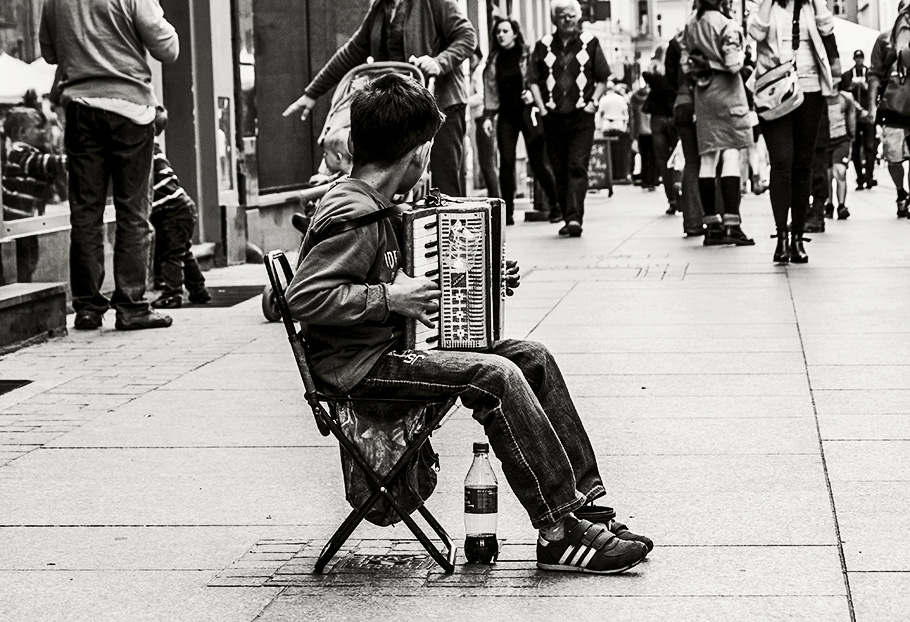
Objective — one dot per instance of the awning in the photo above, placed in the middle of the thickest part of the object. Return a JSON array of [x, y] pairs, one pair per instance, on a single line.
[[17, 77], [851, 37]]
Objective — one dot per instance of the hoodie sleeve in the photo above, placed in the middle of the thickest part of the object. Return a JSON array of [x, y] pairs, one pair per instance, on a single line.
[[156, 33]]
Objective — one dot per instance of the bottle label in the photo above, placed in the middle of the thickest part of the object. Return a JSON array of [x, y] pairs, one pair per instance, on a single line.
[[481, 500]]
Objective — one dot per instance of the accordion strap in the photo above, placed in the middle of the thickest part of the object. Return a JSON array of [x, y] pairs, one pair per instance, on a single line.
[[361, 221]]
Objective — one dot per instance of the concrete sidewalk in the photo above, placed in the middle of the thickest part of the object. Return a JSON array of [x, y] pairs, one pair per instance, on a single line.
[[752, 419]]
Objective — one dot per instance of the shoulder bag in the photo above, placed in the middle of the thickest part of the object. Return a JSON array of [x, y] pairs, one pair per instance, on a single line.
[[777, 91]]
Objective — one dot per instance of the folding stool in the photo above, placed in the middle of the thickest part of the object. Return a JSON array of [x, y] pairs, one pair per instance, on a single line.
[[280, 274]]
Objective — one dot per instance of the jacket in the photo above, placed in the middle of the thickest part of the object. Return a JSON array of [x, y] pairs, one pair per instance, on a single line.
[[718, 38], [770, 51], [339, 291], [100, 47], [491, 89], [436, 28]]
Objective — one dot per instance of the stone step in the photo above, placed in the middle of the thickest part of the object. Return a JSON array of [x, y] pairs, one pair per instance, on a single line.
[[30, 313]]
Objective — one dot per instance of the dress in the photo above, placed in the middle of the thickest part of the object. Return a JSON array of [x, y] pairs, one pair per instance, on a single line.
[[715, 45]]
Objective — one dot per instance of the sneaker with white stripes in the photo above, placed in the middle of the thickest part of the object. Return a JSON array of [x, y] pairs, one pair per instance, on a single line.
[[588, 547]]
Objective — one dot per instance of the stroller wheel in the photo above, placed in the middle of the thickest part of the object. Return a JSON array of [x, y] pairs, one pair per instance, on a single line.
[[270, 305]]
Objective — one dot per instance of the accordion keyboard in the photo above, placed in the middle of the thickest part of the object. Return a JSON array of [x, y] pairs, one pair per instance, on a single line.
[[426, 264]]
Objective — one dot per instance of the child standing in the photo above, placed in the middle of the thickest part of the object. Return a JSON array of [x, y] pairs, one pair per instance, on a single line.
[[842, 119], [174, 217]]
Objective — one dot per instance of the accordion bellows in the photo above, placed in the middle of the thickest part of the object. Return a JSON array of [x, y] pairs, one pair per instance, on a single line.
[[461, 245]]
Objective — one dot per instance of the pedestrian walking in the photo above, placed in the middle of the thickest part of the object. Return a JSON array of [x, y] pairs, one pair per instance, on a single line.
[[484, 140], [714, 43], [105, 85], [791, 138], [567, 76], [642, 140], [612, 120], [434, 35], [659, 105], [895, 131], [689, 201], [832, 156], [865, 144], [508, 101]]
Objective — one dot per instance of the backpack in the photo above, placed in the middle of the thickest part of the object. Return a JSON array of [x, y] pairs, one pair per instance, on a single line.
[[894, 109]]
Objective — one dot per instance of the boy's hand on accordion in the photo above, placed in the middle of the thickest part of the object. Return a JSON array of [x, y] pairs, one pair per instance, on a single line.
[[513, 278], [416, 298]]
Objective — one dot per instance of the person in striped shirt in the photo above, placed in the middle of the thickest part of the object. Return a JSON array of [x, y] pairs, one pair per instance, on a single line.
[[173, 216], [29, 170]]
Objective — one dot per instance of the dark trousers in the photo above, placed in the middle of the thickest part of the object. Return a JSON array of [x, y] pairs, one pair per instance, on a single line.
[[508, 127], [663, 137], [690, 201], [570, 138], [104, 149], [174, 261], [486, 156], [447, 156], [791, 149], [864, 151], [648, 162]]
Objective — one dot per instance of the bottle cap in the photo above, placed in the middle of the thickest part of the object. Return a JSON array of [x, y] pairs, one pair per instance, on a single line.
[[481, 448]]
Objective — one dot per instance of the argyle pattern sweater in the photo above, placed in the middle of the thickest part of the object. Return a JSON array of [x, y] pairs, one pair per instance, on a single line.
[[567, 74]]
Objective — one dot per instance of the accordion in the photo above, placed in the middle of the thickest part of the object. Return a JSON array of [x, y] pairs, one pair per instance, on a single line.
[[460, 244]]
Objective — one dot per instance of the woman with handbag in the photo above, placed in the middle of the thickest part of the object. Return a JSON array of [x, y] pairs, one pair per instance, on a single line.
[[507, 98], [716, 54], [796, 68]]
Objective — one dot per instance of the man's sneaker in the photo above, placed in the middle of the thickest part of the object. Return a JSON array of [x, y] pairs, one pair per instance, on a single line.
[[733, 234], [902, 208], [200, 297], [564, 230], [172, 301], [87, 320], [554, 216], [573, 229], [588, 547], [152, 319], [829, 210], [842, 213]]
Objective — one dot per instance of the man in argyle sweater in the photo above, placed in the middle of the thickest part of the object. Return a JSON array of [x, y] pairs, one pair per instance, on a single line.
[[567, 75]]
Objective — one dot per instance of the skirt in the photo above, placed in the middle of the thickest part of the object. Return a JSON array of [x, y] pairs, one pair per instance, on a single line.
[[722, 119]]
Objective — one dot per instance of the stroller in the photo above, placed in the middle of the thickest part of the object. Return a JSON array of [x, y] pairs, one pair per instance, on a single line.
[[338, 123]]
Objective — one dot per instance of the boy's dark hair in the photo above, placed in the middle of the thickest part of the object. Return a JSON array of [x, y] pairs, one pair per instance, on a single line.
[[390, 116], [21, 117]]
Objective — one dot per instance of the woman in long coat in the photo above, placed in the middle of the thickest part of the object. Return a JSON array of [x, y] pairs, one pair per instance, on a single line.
[[714, 44]]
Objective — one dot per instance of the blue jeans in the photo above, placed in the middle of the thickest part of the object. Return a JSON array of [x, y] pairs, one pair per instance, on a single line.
[[570, 138], [104, 148], [518, 394]]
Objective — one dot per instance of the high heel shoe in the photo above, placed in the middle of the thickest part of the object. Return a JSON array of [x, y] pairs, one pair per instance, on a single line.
[[797, 251], [782, 251]]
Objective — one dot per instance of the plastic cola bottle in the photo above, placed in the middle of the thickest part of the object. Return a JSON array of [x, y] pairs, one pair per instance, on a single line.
[[481, 509]]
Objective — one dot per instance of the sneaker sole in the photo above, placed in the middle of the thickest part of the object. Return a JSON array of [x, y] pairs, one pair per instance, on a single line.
[[567, 568]]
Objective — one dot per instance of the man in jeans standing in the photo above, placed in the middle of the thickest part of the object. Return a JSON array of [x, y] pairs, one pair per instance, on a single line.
[[104, 82], [568, 75]]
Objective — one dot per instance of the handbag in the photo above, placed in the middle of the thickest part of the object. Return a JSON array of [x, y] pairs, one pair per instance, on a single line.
[[777, 91]]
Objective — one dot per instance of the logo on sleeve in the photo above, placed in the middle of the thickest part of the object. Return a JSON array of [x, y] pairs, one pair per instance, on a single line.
[[391, 260]]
